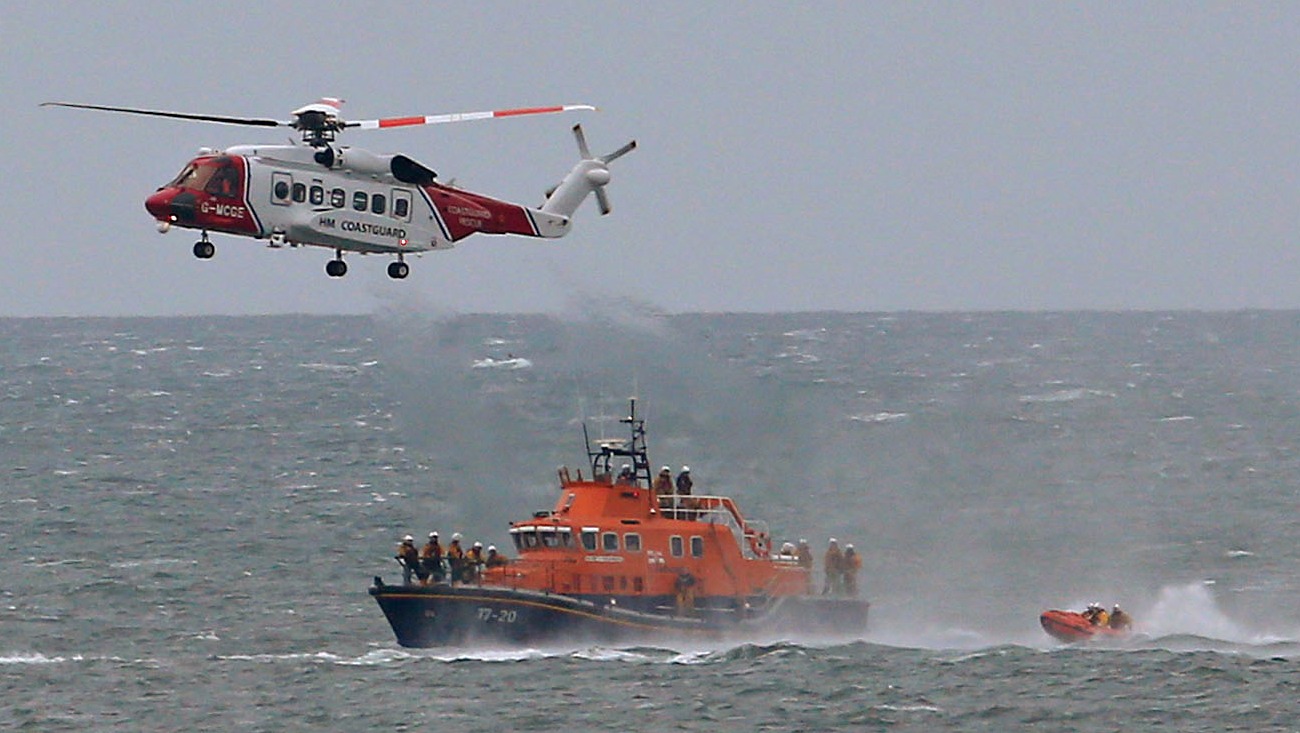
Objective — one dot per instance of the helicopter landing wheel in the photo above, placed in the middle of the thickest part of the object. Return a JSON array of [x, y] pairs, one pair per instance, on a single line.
[[398, 270], [203, 249], [336, 268]]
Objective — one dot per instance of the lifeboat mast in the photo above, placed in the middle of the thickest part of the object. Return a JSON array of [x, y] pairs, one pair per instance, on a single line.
[[606, 449]]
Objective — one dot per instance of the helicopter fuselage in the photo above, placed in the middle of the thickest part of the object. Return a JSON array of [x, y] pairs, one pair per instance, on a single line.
[[346, 199]]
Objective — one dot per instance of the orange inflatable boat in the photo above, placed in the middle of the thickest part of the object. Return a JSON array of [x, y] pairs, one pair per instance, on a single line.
[[1072, 626]]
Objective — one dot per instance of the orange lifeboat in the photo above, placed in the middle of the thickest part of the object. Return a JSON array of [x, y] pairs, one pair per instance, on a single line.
[[615, 560], [1072, 626]]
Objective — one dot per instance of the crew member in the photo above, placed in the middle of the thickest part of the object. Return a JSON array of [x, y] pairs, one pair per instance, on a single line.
[[456, 558], [663, 485], [495, 559], [431, 558], [851, 564], [1119, 620], [833, 563], [473, 562], [805, 557], [409, 557], [685, 587], [684, 482], [1096, 615], [625, 477]]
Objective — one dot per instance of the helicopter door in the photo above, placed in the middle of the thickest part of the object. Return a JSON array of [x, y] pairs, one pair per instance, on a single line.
[[281, 188], [401, 205]]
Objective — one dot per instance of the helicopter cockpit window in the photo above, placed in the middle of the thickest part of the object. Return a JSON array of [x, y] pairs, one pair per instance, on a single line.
[[194, 177], [359, 200], [223, 179]]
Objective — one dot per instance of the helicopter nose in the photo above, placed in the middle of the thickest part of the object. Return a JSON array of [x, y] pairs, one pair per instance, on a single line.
[[159, 205], [171, 205]]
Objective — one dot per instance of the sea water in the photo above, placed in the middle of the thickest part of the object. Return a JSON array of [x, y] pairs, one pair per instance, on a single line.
[[193, 509]]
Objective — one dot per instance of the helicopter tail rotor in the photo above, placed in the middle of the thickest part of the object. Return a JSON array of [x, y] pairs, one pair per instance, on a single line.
[[590, 175]]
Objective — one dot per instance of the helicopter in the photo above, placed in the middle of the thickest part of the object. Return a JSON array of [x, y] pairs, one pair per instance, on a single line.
[[348, 199]]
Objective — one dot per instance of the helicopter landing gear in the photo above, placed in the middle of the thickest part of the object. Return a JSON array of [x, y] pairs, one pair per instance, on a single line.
[[399, 269], [203, 249], [336, 267]]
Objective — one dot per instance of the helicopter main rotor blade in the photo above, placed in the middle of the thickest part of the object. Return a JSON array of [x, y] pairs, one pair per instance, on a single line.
[[252, 121], [463, 116]]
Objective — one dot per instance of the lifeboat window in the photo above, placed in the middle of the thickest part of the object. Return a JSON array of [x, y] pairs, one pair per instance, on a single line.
[[566, 537], [609, 542], [338, 198], [378, 203], [697, 547], [589, 540], [637, 585], [548, 539], [632, 542], [519, 545], [675, 546], [529, 538], [360, 200], [622, 582], [317, 194], [299, 192], [608, 582]]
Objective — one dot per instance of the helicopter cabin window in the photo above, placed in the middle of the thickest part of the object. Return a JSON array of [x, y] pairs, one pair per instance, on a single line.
[[281, 184], [316, 195], [697, 547], [338, 198], [360, 200], [609, 542], [299, 192], [402, 207], [632, 542], [378, 204], [589, 539], [675, 546]]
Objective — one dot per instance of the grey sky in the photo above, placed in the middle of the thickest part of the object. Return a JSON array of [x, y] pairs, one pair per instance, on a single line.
[[794, 156]]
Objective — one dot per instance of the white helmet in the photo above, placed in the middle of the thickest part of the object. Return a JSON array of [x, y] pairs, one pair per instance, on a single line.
[[408, 538], [849, 546], [833, 542], [492, 548], [665, 468], [686, 469], [478, 544], [455, 537], [433, 535]]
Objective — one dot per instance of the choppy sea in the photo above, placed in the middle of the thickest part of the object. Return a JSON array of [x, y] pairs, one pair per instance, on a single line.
[[193, 508]]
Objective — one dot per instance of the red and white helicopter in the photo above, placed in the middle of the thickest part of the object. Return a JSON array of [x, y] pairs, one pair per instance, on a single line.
[[349, 199]]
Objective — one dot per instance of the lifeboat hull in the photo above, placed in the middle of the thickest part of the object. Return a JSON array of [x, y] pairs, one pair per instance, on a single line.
[[1071, 627], [444, 615]]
